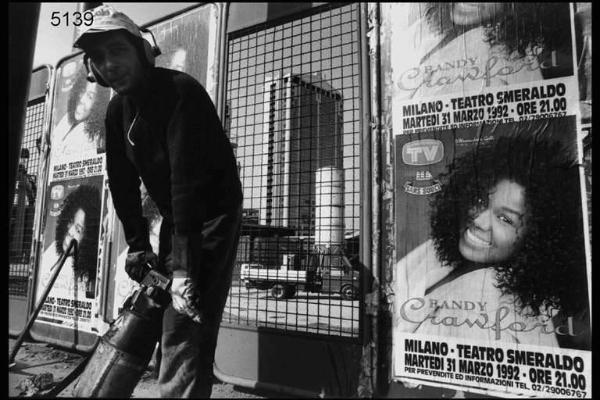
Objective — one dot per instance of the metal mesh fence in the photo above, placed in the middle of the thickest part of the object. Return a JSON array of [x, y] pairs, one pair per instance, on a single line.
[[293, 115], [23, 208]]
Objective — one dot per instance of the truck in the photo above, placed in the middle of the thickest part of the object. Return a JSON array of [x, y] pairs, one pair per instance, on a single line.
[[313, 276]]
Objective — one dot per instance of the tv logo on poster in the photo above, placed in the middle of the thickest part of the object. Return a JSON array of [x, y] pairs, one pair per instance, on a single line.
[[423, 152], [58, 192]]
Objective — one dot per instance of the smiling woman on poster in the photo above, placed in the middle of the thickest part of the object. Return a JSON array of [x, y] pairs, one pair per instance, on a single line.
[[79, 219], [81, 130], [506, 252]]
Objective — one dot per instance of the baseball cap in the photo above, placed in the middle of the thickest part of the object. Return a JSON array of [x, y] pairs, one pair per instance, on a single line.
[[106, 18]]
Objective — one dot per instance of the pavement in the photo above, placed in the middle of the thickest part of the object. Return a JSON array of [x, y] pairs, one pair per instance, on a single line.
[[45, 370], [42, 369]]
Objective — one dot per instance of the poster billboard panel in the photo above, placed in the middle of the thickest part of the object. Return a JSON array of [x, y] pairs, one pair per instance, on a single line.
[[77, 161], [73, 207], [491, 281], [73, 213]]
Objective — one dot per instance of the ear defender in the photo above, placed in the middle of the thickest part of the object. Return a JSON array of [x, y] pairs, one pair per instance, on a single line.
[[151, 49], [92, 75]]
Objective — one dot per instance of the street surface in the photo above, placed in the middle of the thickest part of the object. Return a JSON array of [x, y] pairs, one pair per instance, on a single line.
[[41, 366], [36, 359]]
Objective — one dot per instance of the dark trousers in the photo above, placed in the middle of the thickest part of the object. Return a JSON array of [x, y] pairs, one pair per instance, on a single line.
[[187, 347]]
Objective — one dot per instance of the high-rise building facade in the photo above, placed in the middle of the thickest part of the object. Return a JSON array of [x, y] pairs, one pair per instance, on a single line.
[[303, 133]]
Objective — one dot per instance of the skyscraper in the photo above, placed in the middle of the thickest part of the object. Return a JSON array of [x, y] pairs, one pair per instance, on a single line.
[[303, 132]]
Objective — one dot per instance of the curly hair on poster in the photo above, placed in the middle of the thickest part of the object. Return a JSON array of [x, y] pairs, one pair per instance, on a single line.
[[548, 268], [87, 199]]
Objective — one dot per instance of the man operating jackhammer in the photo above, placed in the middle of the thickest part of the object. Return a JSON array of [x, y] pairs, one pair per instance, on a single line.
[[162, 127]]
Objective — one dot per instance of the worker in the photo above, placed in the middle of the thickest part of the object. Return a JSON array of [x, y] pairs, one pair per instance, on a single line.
[[162, 128]]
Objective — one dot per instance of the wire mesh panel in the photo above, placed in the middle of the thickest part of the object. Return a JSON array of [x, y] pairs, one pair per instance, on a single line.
[[293, 115], [23, 208]]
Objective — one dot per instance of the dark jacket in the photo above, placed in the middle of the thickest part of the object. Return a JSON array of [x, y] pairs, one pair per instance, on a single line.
[[180, 152]]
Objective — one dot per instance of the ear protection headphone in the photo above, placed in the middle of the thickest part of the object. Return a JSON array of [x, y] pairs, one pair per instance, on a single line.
[[150, 49]]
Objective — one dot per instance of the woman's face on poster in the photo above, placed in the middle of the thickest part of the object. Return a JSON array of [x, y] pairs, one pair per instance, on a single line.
[[475, 13], [495, 231], [76, 229], [86, 102]]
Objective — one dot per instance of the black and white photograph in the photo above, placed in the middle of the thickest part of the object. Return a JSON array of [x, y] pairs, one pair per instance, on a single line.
[[300, 200]]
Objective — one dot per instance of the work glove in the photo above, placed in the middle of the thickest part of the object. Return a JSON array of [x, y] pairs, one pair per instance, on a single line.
[[182, 296], [138, 263]]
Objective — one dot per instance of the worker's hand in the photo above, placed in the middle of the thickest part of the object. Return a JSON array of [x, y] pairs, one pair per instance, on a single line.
[[136, 264], [182, 292]]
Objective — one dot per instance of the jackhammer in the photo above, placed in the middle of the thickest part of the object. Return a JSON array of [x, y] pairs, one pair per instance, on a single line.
[[125, 350]]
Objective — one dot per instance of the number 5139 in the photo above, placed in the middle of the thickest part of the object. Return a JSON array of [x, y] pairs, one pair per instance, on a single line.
[[86, 18]]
